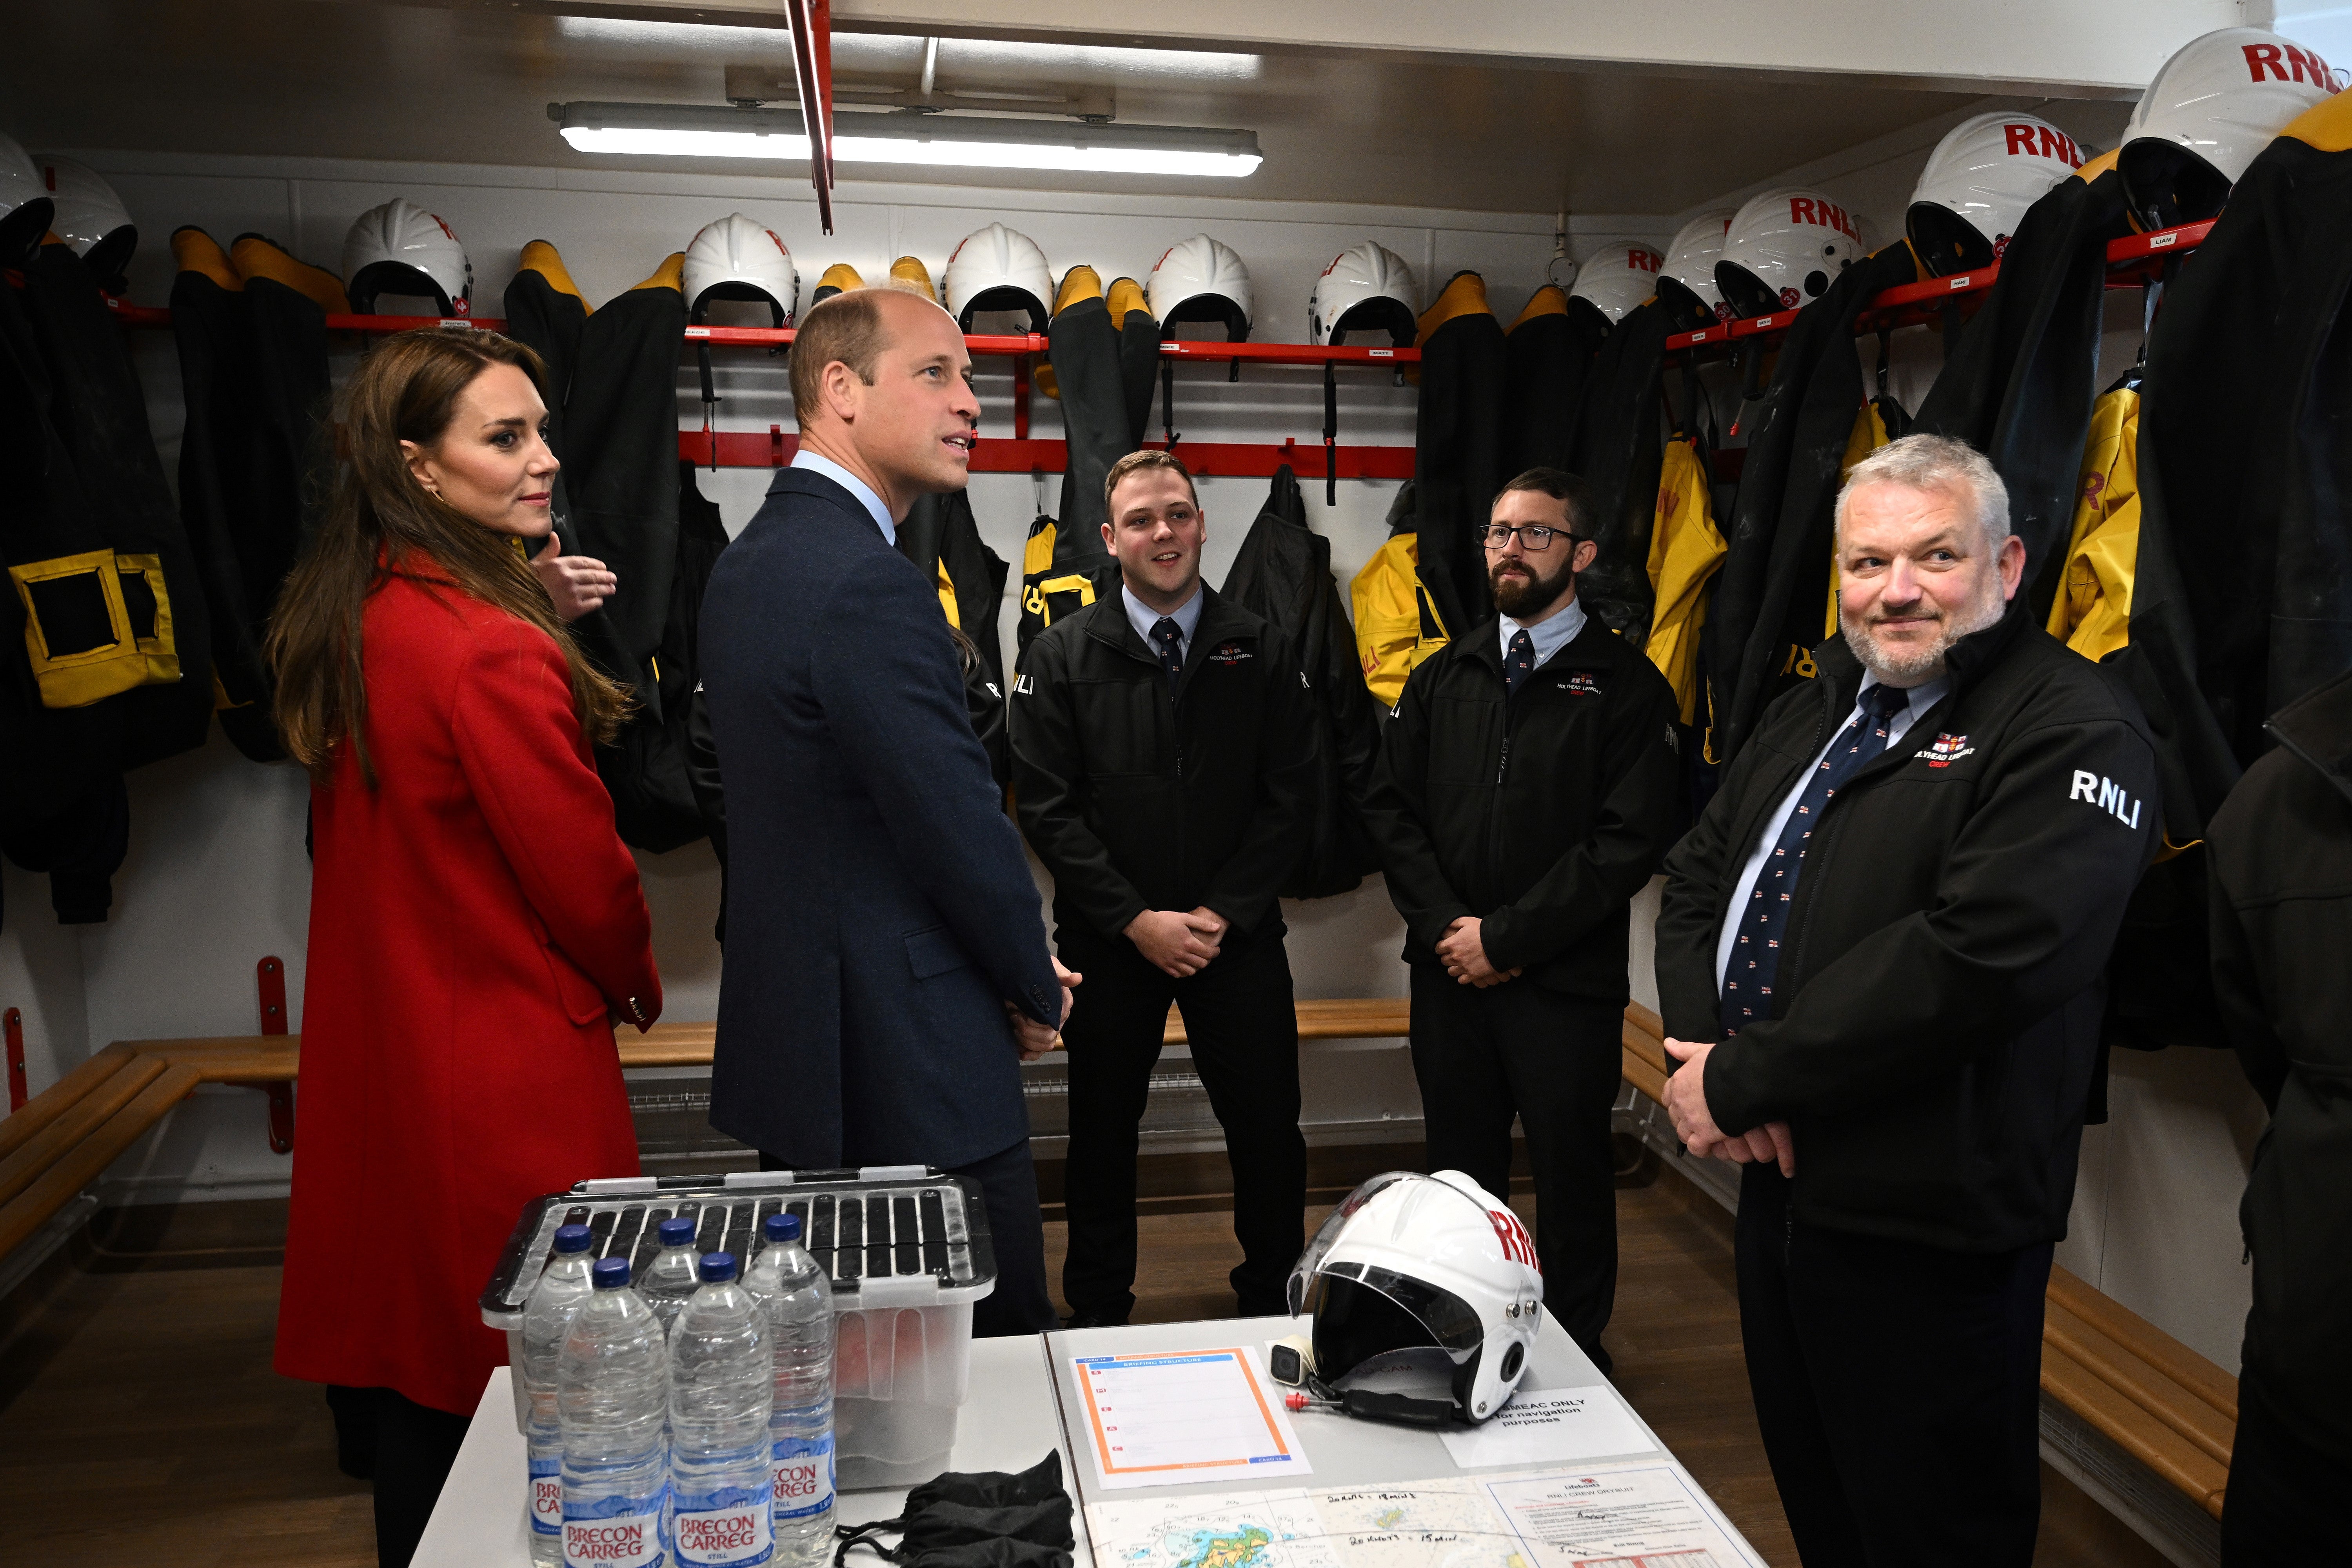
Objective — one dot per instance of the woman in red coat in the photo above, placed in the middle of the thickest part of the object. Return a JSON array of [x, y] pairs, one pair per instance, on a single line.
[[476, 924]]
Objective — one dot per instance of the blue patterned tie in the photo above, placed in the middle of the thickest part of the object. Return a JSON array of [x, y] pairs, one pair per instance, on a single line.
[[1755, 955], [1168, 638], [1519, 664]]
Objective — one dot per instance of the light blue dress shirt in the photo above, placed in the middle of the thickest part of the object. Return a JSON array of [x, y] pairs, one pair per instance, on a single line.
[[1143, 617], [1550, 634], [818, 461]]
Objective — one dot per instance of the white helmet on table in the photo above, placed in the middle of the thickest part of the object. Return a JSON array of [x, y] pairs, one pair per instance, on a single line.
[[1617, 277], [741, 258], [25, 208], [1201, 279], [1369, 289], [1687, 280], [998, 268], [1784, 247], [1978, 181], [400, 248], [1423, 1279], [2216, 103]]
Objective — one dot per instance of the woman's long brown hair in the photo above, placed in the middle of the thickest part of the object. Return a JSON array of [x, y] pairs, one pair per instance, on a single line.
[[378, 518]]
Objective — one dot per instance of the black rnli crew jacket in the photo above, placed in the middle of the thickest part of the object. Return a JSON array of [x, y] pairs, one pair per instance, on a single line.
[[1936, 1016], [1138, 799], [1541, 816]]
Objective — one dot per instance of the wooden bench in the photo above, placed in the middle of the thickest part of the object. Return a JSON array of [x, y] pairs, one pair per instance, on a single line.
[[2155, 1399]]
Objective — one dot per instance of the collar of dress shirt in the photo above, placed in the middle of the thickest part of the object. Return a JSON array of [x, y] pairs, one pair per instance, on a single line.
[[1143, 617], [1553, 632], [804, 458]]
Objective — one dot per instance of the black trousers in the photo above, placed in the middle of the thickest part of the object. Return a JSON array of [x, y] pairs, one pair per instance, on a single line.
[[2284, 1500], [407, 1449], [1554, 1061], [1898, 1389], [1021, 1303], [1245, 1041]]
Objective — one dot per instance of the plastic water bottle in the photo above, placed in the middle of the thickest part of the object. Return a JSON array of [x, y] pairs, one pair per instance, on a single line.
[[547, 1320], [721, 1390], [611, 1393], [799, 1301], [670, 1278]]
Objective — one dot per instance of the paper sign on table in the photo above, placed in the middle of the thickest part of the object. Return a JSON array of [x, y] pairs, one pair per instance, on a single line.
[[1177, 1419], [1546, 1426]]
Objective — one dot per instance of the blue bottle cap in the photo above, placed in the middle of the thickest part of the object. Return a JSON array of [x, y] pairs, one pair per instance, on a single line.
[[781, 1228], [717, 1266], [572, 1238], [609, 1273], [678, 1231]]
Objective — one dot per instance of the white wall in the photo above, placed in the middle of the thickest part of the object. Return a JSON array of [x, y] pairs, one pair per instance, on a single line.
[[217, 877]]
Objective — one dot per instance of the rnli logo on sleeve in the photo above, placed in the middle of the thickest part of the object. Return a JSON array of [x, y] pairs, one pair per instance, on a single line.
[[2106, 795], [1582, 683], [1230, 654], [1946, 750], [1023, 687]]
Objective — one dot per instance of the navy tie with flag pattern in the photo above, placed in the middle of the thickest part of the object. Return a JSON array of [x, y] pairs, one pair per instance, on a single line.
[[1756, 953], [1168, 638], [1519, 664]]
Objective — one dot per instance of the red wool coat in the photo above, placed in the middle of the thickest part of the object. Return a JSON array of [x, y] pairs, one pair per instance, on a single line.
[[473, 919]]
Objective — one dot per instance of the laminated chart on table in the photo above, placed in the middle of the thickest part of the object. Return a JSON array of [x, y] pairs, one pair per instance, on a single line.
[[1185, 1417]]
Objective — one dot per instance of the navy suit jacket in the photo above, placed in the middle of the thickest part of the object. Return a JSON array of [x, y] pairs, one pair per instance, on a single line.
[[880, 910]]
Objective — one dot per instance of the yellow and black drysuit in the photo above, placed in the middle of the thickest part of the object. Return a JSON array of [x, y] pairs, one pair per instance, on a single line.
[[251, 327], [614, 427], [941, 537], [1550, 348], [1619, 444], [1283, 575], [1102, 350], [107, 610], [1768, 608], [1457, 464], [1397, 625], [2019, 384]]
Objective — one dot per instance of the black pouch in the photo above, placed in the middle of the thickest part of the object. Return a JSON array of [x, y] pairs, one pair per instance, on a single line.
[[984, 1519]]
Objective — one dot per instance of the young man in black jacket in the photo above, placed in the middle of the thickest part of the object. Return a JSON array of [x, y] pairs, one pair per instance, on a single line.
[[1526, 792], [2281, 891], [1163, 756], [1879, 963]]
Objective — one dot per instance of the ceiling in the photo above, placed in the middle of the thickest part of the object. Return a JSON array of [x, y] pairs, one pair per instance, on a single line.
[[299, 77]]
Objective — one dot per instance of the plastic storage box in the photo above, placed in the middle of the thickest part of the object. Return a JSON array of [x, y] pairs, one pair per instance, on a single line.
[[909, 1251]]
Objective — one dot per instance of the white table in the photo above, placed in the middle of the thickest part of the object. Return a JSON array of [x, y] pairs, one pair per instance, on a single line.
[[1022, 1400], [1008, 1422]]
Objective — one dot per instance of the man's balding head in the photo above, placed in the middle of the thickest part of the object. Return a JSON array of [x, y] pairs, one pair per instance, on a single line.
[[882, 384]]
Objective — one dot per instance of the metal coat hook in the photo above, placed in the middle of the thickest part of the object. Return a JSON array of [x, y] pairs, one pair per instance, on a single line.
[[1168, 402], [1560, 253]]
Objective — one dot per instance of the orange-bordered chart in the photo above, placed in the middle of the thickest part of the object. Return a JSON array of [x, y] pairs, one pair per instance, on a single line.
[[1183, 1416]]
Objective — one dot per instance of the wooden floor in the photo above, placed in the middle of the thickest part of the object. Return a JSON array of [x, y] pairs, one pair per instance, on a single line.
[[140, 1422]]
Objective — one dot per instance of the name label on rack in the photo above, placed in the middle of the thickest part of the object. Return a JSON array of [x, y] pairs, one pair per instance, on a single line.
[[698, 331]]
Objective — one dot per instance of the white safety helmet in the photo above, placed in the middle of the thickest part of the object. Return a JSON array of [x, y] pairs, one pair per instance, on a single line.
[[2218, 101], [740, 258], [1201, 279], [1978, 181], [25, 208], [1686, 281], [998, 268], [400, 248], [1368, 287], [1424, 1285], [1617, 277], [1784, 247], [87, 210]]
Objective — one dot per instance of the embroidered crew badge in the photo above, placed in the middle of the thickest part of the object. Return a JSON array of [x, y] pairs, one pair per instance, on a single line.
[[1946, 750], [1582, 683]]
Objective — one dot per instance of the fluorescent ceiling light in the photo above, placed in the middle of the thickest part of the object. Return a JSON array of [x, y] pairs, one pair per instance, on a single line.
[[704, 130]]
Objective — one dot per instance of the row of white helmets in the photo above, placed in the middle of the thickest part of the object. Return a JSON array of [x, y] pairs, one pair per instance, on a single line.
[[83, 210]]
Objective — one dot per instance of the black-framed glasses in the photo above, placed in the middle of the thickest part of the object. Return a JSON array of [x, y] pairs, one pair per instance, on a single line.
[[1534, 538]]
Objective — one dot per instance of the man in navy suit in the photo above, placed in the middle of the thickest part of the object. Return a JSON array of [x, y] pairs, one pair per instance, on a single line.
[[887, 962]]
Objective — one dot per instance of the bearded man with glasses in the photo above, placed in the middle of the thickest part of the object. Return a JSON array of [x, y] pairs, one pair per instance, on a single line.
[[1526, 794]]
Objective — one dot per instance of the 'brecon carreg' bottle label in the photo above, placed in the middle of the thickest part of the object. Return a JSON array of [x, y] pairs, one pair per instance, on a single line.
[[615, 1533], [547, 1495], [803, 1476], [733, 1527]]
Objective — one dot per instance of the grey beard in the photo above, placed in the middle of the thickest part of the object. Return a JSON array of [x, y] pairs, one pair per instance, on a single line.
[[1911, 667]]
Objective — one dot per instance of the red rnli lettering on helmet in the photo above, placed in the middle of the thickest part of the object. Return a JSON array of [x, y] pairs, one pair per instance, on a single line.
[[2042, 141], [2286, 62], [1824, 215], [1640, 260], [1516, 1245]]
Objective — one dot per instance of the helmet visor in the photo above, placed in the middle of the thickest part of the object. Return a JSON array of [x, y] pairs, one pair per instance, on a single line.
[[1302, 1273], [1363, 1313]]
